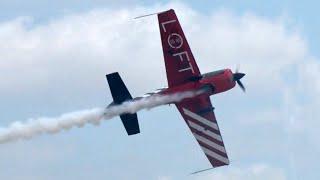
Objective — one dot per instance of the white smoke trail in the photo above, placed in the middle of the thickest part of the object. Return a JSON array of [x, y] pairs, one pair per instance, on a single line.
[[33, 127]]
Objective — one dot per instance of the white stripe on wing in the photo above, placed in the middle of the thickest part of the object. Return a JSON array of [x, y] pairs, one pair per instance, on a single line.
[[205, 131], [200, 119]]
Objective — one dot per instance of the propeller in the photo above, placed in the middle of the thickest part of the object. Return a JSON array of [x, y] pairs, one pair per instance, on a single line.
[[237, 76]]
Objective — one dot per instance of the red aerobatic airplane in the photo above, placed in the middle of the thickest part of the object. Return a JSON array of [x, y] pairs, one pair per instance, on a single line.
[[183, 75]]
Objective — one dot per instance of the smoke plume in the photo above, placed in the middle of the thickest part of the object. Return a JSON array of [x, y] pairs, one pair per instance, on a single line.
[[32, 127]]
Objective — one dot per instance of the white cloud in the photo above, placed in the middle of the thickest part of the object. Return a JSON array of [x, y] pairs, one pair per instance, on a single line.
[[84, 47]]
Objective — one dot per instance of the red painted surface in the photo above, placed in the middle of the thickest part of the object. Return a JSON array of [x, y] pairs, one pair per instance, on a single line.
[[179, 60], [176, 51], [183, 75], [222, 82]]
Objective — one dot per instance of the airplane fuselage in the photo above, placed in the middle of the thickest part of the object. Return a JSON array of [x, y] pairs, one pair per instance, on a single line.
[[217, 81]]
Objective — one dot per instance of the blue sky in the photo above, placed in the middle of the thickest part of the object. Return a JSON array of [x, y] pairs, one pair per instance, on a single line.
[[56, 55]]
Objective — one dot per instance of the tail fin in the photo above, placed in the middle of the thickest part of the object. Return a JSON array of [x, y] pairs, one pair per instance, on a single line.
[[121, 94]]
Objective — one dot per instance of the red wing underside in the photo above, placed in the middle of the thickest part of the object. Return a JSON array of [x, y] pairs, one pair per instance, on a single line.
[[199, 116], [179, 60]]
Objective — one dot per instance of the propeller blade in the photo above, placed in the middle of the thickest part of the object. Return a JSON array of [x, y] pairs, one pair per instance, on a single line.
[[241, 85], [238, 76]]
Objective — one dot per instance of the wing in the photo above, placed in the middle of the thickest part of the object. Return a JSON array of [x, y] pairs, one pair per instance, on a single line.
[[199, 116], [180, 63]]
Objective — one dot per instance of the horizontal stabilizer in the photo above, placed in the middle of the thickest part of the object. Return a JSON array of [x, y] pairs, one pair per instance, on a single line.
[[118, 89], [121, 94], [130, 122]]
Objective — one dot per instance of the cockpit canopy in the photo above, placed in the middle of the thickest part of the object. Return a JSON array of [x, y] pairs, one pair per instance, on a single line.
[[213, 73]]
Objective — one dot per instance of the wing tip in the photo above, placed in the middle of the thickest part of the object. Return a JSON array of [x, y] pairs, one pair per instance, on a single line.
[[161, 12], [200, 171], [112, 74]]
